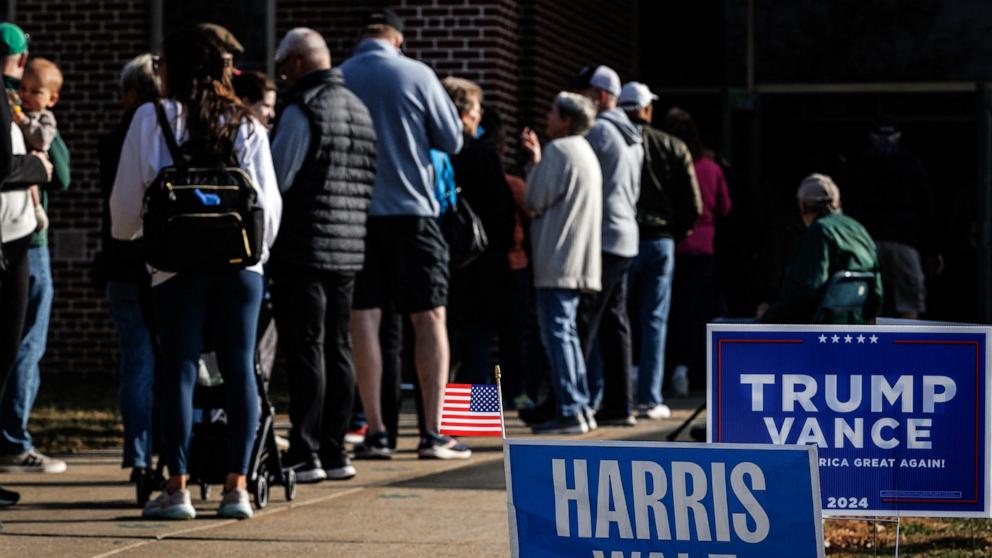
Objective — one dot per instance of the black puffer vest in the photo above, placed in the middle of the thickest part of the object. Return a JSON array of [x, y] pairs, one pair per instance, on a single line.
[[324, 212]]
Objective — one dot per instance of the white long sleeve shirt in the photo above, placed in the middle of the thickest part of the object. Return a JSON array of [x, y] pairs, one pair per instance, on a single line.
[[17, 218], [145, 153]]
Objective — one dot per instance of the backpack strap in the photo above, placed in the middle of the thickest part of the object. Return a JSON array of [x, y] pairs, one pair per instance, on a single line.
[[178, 159]]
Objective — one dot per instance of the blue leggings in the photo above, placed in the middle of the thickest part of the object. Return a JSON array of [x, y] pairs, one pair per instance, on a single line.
[[185, 305]]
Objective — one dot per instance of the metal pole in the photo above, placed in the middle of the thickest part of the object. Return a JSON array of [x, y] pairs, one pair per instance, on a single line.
[[270, 38], [155, 26], [750, 45], [984, 116], [898, 525]]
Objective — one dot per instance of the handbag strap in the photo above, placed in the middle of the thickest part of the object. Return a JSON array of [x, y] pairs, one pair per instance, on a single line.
[[178, 159]]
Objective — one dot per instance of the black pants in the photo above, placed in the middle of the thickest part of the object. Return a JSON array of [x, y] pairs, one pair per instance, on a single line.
[[14, 283], [604, 314], [693, 305], [313, 313]]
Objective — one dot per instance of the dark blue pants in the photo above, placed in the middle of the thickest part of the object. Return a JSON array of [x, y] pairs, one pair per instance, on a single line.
[[185, 306]]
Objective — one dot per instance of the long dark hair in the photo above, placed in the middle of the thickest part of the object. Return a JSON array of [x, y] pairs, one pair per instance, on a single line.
[[196, 76], [680, 124]]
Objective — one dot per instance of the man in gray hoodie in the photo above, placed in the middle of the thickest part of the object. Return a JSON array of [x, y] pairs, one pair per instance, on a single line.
[[618, 144]]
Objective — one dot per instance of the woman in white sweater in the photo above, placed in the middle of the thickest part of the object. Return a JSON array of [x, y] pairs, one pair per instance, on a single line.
[[201, 108], [565, 193]]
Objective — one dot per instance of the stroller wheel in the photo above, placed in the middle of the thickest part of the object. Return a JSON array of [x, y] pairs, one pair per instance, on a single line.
[[204, 491], [260, 488], [290, 484]]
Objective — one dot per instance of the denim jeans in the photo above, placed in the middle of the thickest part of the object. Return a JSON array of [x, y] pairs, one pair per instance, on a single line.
[[25, 378], [137, 371], [650, 283], [557, 311], [185, 305]]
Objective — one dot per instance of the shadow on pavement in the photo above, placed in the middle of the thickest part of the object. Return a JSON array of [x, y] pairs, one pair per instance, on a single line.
[[482, 476]]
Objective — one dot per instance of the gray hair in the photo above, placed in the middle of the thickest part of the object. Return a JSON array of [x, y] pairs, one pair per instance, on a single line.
[[305, 42], [578, 108], [139, 76]]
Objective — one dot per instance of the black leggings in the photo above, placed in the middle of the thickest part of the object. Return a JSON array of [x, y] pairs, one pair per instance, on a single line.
[[13, 303]]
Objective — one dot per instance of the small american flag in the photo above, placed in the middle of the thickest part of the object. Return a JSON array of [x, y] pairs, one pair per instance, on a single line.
[[471, 410]]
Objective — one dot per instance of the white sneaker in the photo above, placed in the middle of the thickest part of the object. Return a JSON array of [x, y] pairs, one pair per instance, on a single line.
[[31, 462], [170, 506], [590, 418], [657, 412], [680, 381]]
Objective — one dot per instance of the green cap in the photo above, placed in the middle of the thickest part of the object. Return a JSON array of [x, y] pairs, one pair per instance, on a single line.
[[13, 39]]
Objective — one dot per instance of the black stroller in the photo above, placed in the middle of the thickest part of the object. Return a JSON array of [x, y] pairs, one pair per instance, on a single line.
[[207, 455]]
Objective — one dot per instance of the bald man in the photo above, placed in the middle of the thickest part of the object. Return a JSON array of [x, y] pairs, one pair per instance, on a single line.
[[323, 150]]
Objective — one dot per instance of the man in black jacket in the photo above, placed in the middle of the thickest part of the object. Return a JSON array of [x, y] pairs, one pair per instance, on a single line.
[[667, 208], [323, 151]]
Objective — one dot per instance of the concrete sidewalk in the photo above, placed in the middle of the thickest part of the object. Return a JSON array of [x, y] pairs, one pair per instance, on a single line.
[[400, 508]]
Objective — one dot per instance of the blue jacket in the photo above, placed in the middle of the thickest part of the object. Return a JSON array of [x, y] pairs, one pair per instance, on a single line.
[[412, 113]]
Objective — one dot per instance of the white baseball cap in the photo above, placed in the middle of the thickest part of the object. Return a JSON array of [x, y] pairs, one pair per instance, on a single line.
[[600, 77], [635, 95]]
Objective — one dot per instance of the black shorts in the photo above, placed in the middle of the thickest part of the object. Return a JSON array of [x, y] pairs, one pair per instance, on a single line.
[[406, 264]]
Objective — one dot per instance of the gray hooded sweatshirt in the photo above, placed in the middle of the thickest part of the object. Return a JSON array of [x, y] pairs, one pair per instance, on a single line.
[[618, 144]]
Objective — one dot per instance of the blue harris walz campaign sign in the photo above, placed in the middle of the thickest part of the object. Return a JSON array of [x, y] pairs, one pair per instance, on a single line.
[[900, 414], [661, 500]]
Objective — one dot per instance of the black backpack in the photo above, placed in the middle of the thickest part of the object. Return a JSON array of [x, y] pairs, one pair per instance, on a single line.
[[201, 215]]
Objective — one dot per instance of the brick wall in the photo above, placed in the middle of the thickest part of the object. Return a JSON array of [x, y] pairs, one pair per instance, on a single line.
[[520, 51], [90, 41]]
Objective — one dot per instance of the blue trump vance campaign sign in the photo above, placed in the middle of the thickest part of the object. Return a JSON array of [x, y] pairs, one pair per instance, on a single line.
[[899, 414], [600, 499]]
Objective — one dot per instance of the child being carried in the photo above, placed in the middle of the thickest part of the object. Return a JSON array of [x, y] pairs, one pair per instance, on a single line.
[[39, 92]]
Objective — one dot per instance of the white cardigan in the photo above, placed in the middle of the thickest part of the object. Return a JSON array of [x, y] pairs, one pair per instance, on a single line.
[[144, 154]]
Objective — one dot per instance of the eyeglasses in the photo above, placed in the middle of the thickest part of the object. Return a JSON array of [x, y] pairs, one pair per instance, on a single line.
[[227, 59]]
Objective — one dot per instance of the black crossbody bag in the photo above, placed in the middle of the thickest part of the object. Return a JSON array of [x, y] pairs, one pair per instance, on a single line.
[[201, 217]]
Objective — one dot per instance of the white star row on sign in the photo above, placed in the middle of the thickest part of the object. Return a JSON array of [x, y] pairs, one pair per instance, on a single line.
[[848, 339]]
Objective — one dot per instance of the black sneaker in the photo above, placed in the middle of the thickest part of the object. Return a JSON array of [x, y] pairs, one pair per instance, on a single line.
[[542, 412], [8, 497], [339, 467], [310, 471], [562, 425], [375, 446], [442, 447], [616, 419]]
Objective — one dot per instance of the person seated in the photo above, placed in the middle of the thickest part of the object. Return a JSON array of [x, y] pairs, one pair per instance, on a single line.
[[832, 242]]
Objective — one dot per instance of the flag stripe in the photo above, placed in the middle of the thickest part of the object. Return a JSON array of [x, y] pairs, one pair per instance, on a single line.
[[477, 428], [471, 410], [465, 433]]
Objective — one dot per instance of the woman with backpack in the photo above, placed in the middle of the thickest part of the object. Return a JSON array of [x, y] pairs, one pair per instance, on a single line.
[[200, 112]]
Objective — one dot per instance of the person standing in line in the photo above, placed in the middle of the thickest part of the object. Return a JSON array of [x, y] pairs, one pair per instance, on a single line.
[[17, 453], [888, 190], [407, 257], [477, 303], [258, 93], [18, 171], [323, 150], [603, 317], [832, 242], [206, 118], [121, 266], [694, 288], [565, 194]]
